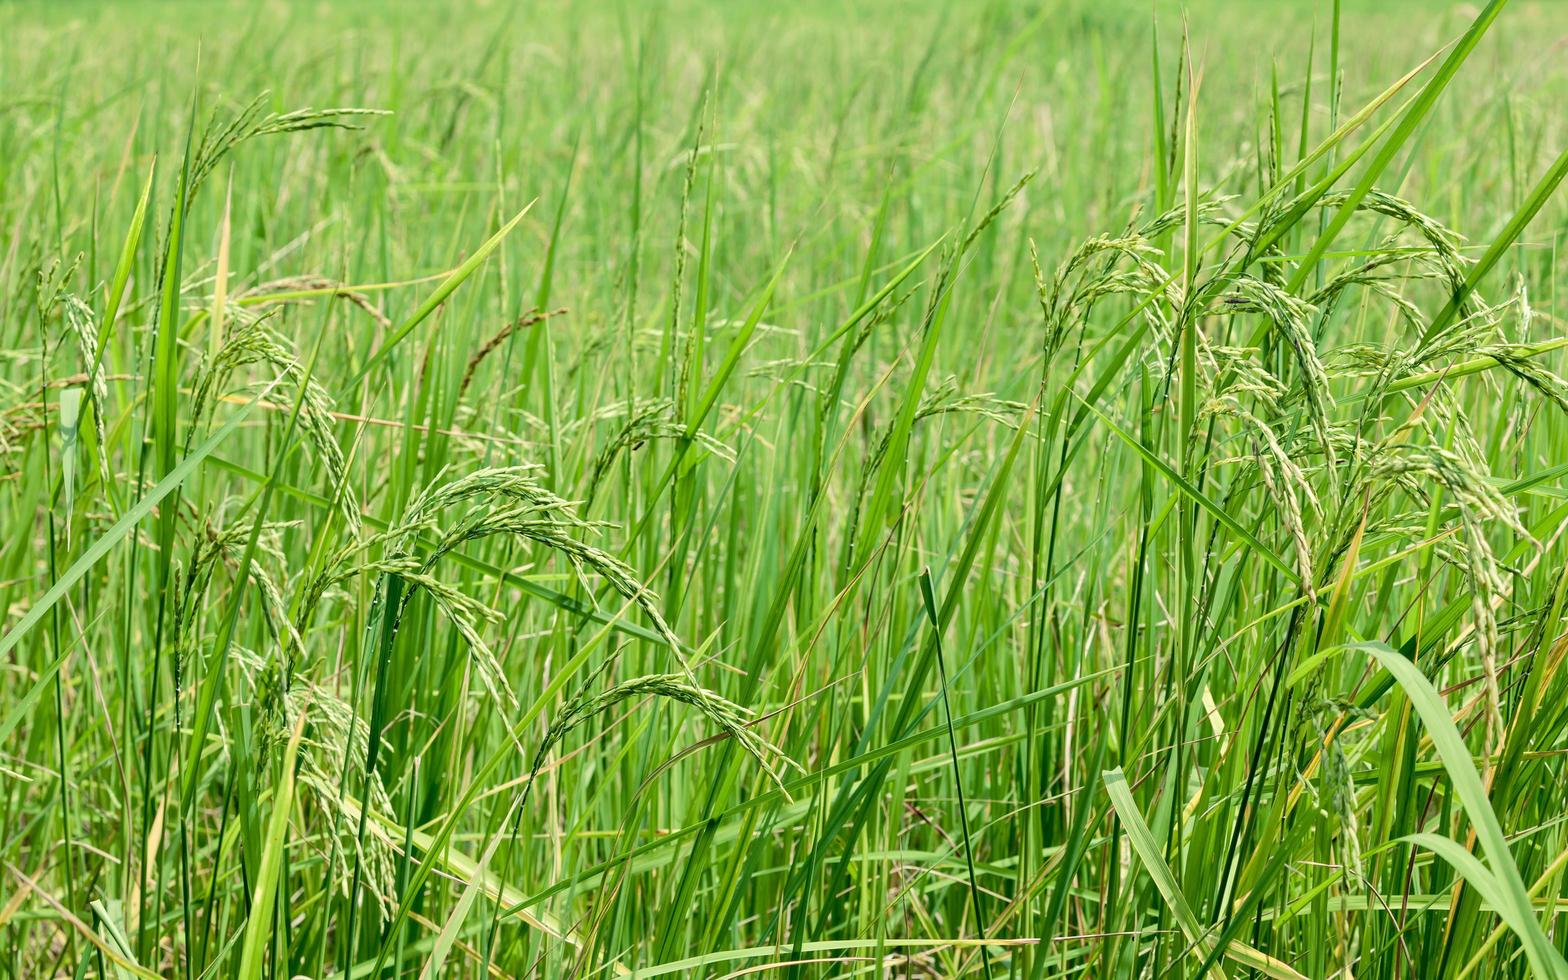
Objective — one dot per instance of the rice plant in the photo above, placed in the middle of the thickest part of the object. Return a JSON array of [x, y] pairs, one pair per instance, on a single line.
[[1009, 489]]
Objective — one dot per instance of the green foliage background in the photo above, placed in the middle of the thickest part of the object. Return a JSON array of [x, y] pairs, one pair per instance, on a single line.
[[565, 489]]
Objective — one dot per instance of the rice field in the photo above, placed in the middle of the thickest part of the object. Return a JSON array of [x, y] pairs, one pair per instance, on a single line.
[[1014, 489]]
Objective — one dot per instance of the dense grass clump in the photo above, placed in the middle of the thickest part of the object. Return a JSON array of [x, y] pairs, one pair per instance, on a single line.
[[1030, 489]]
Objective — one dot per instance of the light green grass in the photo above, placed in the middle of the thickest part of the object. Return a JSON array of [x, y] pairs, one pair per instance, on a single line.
[[732, 489]]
